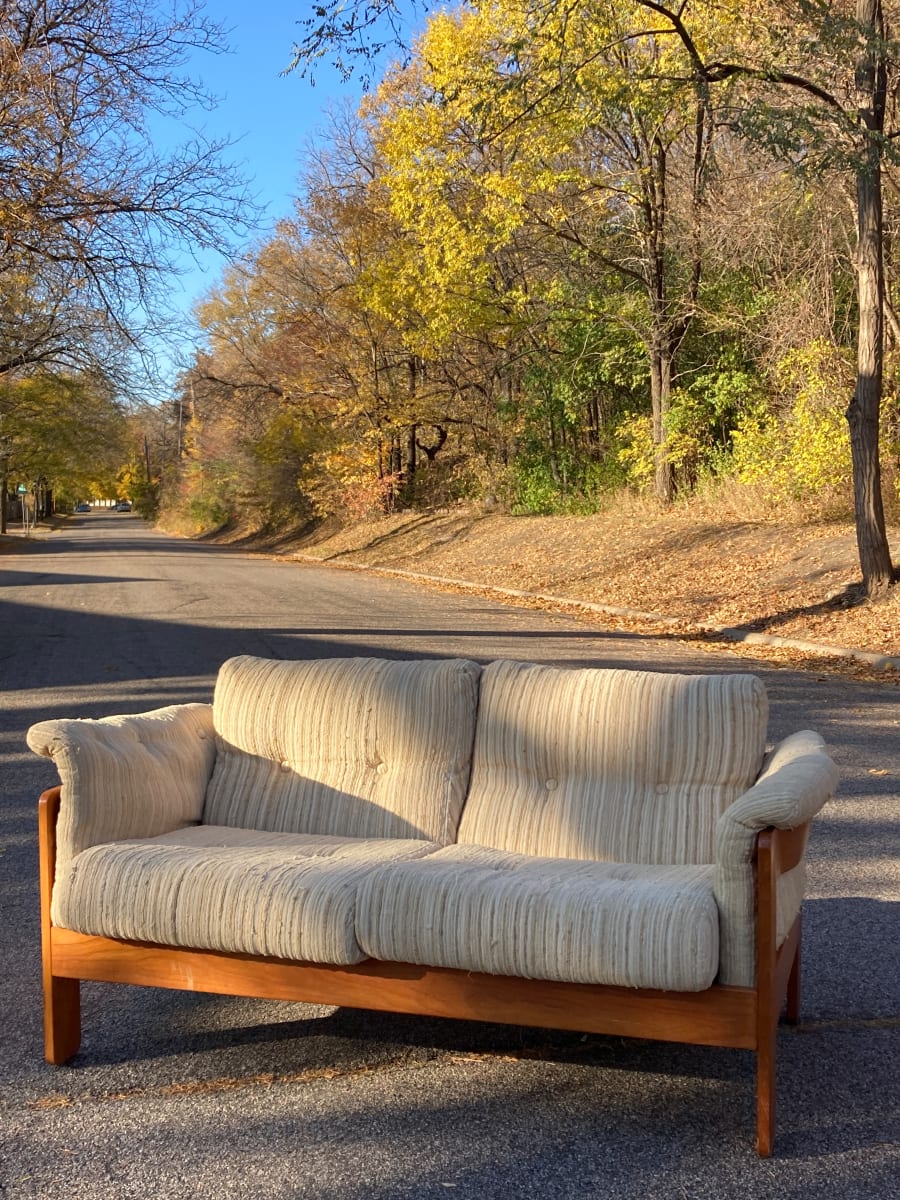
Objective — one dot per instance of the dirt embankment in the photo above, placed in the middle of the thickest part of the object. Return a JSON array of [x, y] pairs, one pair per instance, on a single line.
[[794, 580]]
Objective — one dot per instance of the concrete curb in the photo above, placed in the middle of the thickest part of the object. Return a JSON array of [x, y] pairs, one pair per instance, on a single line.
[[731, 633]]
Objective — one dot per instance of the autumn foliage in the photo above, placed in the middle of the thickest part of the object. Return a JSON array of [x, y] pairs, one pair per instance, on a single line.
[[558, 252]]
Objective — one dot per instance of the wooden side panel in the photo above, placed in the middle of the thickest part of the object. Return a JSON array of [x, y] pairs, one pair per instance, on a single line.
[[788, 846]]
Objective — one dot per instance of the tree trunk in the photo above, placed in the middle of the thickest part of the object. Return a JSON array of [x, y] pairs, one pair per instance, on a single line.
[[660, 397], [864, 410], [413, 427], [411, 463]]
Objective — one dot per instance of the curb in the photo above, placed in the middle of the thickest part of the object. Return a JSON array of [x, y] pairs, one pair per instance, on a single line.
[[731, 633]]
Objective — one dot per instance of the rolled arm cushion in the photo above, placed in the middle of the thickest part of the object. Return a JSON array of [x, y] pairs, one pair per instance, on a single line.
[[797, 779], [128, 776]]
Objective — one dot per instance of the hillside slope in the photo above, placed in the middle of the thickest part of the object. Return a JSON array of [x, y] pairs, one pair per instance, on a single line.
[[791, 579]]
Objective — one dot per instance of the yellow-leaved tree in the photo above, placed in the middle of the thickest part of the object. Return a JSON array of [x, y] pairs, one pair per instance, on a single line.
[[522, 134]]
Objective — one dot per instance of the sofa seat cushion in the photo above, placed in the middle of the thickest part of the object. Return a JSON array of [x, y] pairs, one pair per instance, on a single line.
[[214, 888], [353, 747], [611, 765], [487, 910]]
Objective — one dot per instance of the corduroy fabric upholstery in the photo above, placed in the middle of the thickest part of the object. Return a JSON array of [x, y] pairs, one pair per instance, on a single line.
[[610, 765], [236, 890], [545, 918], [798, 778], [355, 747], [127, 777]]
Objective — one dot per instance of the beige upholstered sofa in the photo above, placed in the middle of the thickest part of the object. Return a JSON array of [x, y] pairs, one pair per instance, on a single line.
[[611, 851]]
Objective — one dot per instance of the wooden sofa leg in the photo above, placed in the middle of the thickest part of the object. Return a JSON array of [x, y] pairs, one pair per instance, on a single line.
[[765, 1095], [62, 1019], [767, 1033], [792, 1010], [768, 1003]]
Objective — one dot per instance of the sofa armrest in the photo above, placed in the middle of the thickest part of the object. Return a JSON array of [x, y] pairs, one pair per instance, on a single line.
[[130, 776], [796, 781]]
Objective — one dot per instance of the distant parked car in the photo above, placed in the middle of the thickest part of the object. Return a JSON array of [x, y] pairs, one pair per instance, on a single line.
[[82, 508], [123, 506]]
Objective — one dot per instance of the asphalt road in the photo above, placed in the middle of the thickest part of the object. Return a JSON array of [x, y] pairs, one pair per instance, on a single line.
[[176, 1095]]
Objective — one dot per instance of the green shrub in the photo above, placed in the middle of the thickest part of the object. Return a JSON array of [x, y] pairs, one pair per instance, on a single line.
[[801, 452], [635, 455]]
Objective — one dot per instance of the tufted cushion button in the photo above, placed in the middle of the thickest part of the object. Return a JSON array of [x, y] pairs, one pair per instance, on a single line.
[[661, 789], [551, 785]]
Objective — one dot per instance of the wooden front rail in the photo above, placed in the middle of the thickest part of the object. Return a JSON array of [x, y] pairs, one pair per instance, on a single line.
[[723, 1015]]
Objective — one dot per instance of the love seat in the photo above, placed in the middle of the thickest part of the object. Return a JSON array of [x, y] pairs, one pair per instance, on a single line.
[[611, 851]]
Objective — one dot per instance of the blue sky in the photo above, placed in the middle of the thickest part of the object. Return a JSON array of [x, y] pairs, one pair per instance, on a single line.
[[270, 117]]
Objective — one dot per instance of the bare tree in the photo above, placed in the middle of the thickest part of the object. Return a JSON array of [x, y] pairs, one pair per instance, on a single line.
[[356, 34], [93, 214]]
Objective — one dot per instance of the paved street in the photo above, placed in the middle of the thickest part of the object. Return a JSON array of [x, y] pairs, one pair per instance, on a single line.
[[179, 1095]]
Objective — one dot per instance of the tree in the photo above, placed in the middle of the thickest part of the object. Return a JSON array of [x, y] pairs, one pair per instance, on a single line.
[[818, 81], [843, 80], [509, 132], [356, 34], [91, 211], [66, 429]]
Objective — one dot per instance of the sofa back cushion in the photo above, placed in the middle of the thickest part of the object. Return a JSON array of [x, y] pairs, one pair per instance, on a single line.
[[353, 747], [613, 765]]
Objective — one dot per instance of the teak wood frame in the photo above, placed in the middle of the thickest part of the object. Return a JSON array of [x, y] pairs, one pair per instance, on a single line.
[[744, 1018]]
